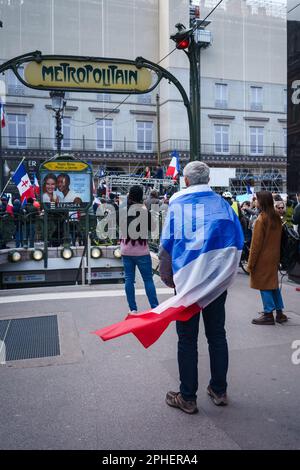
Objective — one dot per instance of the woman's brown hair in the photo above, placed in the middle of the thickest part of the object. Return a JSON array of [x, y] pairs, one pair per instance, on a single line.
[[266, 205], [49, 176]]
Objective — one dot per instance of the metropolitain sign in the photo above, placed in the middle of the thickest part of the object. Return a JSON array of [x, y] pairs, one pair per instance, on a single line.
[[87, 75]]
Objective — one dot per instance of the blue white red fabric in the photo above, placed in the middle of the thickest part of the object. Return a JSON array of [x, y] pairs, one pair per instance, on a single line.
[[205, 260], [22, 181], [36, 185], [2, 116], [10, 208], [174, 167]]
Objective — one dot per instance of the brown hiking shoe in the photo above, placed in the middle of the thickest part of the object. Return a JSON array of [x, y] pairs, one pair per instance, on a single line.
[[218, 400], [281, 317], [264, 319], [175, 399]]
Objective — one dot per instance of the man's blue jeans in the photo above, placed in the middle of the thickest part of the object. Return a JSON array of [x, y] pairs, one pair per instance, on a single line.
[[272, 300], [214, 325], [145, 267]]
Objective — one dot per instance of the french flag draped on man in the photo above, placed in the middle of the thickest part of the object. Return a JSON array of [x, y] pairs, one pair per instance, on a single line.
[[204, 238], [22, 181]]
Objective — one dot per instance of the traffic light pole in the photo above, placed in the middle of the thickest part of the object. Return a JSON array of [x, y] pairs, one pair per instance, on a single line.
[[163, 73], [185, 41], [193, 55]]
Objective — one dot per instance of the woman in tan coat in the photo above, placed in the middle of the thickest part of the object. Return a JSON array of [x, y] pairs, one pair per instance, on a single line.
[[264, 260]]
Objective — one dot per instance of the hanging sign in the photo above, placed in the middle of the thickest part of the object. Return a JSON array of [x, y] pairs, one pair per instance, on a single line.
[[87, 75]]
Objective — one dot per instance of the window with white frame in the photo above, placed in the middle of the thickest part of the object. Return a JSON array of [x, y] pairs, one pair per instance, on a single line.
[[144, 136], [66, 130], [104, 134], [221, 95], [256, 98], [256, 140], [221, 138], [16, 130], [284, 141], [14, 86]]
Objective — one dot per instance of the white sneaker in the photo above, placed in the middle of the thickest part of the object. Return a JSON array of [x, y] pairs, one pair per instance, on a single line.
[[132, 312]]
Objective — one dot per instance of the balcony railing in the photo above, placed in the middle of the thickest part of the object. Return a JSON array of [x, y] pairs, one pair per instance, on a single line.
[[234, 150], [83, 144], [129, 146]]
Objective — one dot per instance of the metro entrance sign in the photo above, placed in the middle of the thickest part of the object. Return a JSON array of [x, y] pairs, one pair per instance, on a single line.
[[87, 75], [98, 75], [76, 73]]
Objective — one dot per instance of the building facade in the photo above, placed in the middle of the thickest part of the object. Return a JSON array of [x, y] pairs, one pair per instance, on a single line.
[[243, 86]]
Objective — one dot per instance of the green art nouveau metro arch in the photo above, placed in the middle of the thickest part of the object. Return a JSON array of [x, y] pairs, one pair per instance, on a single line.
[[95, 74]]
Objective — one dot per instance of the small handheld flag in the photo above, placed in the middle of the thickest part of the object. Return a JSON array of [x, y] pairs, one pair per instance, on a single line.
[[174, 167], [9, 207], [36, 185], [22, 181]]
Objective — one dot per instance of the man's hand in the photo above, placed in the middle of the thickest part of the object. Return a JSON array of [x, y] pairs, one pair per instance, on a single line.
[[168, 281]]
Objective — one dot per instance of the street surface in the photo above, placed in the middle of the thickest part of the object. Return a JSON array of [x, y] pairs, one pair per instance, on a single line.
[[98, 395]]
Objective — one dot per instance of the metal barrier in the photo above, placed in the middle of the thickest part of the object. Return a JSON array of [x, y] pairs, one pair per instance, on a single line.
[[27, 230], [63, 229]]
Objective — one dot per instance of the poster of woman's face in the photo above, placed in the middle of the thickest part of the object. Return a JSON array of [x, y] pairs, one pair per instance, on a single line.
[[66, 190]]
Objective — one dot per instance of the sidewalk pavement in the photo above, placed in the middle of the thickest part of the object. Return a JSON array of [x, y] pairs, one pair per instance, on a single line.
[[110, 396]]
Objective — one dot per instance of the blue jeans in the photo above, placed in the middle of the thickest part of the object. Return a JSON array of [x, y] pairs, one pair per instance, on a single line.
[[145, 267], [272, 300], [214, 321]]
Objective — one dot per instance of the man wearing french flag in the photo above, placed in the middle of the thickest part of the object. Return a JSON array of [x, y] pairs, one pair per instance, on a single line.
[[174, 166], [201, 245], [22, 181]]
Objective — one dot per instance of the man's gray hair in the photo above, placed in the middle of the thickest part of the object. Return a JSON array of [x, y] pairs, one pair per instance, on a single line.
[[197, 172]]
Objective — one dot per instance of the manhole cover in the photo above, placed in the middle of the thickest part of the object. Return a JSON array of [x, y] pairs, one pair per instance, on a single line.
[[29, 338]]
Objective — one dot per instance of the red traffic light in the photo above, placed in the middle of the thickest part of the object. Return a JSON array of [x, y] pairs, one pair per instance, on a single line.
[[183, 43]]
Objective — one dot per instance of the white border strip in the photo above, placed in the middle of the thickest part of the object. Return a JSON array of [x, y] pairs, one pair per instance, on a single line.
[[77, 295]]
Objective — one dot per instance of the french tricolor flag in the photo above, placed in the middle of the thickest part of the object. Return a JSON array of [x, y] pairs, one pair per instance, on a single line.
[[22, 181], [203, 237], [10, 207], [36, 185], [174, 167]]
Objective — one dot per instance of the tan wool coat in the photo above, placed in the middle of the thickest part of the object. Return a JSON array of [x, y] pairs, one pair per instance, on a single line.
[[264, 254]]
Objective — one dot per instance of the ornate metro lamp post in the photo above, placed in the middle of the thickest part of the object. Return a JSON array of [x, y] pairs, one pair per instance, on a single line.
[[58, 106]]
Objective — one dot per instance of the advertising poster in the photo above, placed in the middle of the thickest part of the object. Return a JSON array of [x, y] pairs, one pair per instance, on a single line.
[[65, 185]]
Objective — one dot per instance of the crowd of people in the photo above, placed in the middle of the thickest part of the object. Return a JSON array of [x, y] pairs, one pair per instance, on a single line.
[[24, 219], [261, 219]]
